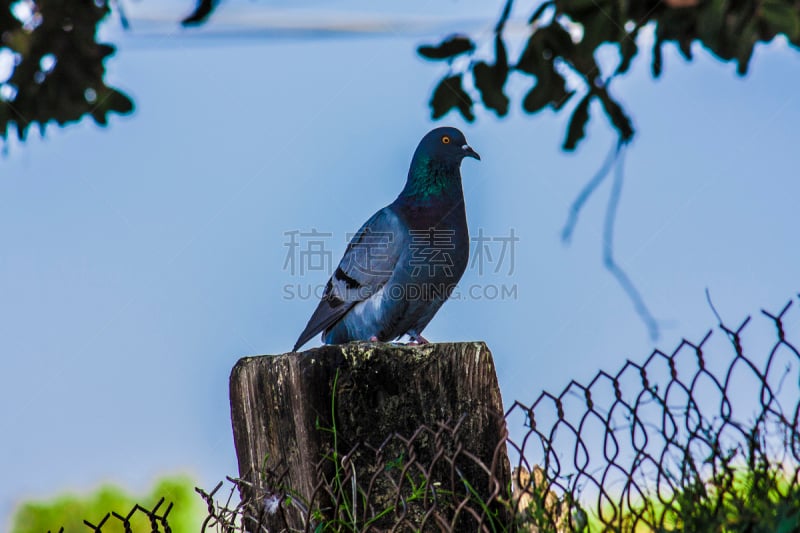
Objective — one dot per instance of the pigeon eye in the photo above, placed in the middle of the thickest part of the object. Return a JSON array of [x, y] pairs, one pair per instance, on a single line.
[[445, 139]]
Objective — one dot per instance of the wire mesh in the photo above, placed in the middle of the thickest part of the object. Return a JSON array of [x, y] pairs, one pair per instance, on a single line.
[[705, 438]]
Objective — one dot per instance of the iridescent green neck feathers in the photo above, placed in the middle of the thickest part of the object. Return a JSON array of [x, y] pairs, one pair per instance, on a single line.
[[430, 179]]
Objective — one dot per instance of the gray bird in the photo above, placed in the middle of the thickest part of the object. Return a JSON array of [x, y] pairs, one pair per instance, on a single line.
[[405, 261]]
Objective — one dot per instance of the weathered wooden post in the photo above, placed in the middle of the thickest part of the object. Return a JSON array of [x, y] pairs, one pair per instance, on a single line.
[[375, 435]]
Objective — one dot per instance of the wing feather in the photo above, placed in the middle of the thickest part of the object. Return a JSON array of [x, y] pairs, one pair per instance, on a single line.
[[369, 261]]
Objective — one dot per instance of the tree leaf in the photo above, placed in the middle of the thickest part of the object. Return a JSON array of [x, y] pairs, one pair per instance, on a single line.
[[531, 59], [627, 51], [781, 17], [490, 86], [537, 98], [685, 46], [600, 25], [710, 22], [581, 58], [500, 57], [577, 123], [621, 121], [575, 8], [447, 49], [99, 116], [545, 45], [119, 102], [744, 49], [558, 40], [658, 61], [201, 12], [678, 25], [449, 94], [550, 89], [490, 79]]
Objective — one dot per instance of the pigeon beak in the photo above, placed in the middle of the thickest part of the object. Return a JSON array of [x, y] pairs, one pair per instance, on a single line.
[[469, 152]]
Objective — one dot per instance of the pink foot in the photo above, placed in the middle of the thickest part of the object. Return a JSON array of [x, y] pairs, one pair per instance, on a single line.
[[373, 339], [419, 339]]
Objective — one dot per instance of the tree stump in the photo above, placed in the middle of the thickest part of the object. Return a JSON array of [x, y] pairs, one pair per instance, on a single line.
[[374, 436]]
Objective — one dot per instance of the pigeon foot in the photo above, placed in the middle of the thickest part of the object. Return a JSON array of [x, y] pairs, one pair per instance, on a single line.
[[418, 340]]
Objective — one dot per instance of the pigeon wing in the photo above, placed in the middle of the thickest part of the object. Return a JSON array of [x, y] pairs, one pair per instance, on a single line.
[[369, 261]]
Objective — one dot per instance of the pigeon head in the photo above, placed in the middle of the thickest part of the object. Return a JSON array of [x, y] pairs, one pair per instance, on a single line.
[[435, 167], [445, 145]]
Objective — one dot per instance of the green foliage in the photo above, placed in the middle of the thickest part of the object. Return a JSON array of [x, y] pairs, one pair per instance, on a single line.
[[58, 71], [759, 499], [565, 35], [69, 511]]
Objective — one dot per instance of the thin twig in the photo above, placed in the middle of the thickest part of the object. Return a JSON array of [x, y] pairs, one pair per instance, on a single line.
[[608, 247]]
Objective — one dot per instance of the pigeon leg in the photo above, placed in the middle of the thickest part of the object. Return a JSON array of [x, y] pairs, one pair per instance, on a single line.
[[373, 339], [418, 339]]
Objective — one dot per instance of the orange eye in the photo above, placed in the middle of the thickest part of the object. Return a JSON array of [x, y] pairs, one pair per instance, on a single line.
[[446, 139]]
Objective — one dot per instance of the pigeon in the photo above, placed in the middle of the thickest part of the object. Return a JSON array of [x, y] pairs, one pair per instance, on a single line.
[[405, 261]]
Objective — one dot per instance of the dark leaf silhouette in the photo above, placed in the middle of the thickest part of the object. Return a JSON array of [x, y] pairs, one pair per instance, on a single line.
[[658, 61], [201, 12], [627, 51], [550, 89], [543, 47], [449, 48], [547, 45], [490, 79], [780, 17], [602, 24], [450, 94], [616, 114], [577, 123], [490, 85], [111, 100], [59, 74], [744, 51], [564, 36]]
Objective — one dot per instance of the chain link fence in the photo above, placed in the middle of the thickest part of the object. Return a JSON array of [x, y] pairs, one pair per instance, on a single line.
[[705, 438]]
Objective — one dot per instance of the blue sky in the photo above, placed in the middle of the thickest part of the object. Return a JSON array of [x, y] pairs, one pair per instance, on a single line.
[[139, 262]]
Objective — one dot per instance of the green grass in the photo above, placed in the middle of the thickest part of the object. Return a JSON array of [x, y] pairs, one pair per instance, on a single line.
[[762, 498], [758, 499], [70, 510]]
